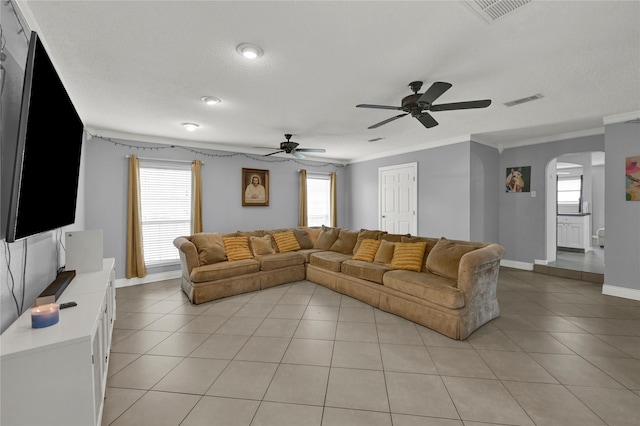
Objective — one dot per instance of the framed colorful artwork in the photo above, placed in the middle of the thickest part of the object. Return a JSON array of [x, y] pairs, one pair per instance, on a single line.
[[518, 179], [632, 178]]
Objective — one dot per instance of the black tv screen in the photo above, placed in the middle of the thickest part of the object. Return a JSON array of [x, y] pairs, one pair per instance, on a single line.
[[47, 164]]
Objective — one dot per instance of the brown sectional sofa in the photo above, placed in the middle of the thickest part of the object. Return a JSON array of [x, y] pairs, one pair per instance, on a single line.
[[449, 287]]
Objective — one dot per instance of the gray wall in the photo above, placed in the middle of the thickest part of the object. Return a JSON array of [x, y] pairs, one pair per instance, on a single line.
[[622, 220], [450, 180], [598, 203], [106, 190], [522, 218], [484, 196]]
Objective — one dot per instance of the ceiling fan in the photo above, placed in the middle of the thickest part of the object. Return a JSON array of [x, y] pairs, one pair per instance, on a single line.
[[292, 148], [419, 104]]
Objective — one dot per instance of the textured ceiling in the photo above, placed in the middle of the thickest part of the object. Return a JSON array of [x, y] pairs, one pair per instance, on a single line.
[[138, 69]]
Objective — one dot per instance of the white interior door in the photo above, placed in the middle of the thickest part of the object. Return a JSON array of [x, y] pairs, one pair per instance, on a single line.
[[398, 196]]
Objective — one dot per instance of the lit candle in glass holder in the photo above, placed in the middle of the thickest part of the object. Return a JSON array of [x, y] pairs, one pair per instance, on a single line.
[[44, 315]]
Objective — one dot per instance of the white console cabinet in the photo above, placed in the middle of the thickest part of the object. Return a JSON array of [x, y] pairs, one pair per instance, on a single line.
[[574, 232], [57, 375]]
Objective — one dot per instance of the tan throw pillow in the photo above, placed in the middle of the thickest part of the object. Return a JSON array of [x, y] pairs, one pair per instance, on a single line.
[[237, 248], [261, 245], [408, 256], [367, 250], [345, 242], [327, 237], [396, 238], [210, 247], [445, 257], [286, 241], [313, 233], [384, 255], [303, 238]]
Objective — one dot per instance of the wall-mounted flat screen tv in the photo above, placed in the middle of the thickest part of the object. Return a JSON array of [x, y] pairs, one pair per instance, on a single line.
[[47, 165]]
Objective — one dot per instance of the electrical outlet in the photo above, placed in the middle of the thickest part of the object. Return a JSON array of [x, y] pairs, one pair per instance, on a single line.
[[533, 194]]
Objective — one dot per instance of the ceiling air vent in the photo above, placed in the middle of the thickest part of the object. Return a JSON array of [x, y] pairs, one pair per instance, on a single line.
[[490, 10], [523, 100]]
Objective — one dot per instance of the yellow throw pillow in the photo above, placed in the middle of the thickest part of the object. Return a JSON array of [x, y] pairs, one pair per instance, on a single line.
[[286, 241], [367, 250], [237, 248], [261, 245], [408, 256], [384, 255]]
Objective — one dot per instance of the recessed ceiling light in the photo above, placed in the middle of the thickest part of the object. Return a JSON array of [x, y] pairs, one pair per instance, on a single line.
[[210, 100], [249, 51], [190, 126]]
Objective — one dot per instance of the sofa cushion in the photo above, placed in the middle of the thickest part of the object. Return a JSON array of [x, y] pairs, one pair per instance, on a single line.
[[329, 260], [286, 241], [306, 253], [345, 242], [408, 256], [364, 270], [237, 248], [396, 238], [313, 233], [384, 255], [256, 233], [303, 238], [427, 286], [366, 234], [224, 270], [431, 242], [367, 250], [445, 257], [261, 245], [270, 262], [210, 247], [326, 238]]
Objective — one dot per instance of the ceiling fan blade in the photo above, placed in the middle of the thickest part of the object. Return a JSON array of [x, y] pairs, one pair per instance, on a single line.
[[427, 120], [378, 106], [297, 154], [386, 121], [277, 152], [434, 92], [461, 105], [311, 150]]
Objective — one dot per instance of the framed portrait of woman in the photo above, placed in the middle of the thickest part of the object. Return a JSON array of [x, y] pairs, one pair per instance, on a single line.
[[255, 187]]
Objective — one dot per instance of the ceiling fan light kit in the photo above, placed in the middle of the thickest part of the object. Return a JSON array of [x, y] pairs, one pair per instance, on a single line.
[[289, 147], [419, 104]]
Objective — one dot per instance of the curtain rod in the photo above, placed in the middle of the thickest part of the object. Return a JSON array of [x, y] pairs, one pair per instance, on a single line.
[[162, 159]]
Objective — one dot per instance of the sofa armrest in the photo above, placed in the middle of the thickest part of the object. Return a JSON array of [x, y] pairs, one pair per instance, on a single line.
[[478, 274], [188, 255]]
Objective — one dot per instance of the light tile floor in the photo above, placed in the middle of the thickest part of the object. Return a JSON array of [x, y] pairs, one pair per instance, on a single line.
[[561, 353]]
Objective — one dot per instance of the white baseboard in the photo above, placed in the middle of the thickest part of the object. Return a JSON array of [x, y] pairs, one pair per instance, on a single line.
[[516, 265], [170, 275], [540, 262], [626, 293]]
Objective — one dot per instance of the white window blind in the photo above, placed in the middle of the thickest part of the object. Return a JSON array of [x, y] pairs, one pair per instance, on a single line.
[[318, 200], [165, 194], [569, 190]]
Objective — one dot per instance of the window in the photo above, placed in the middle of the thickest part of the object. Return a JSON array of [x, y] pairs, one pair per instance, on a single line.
[[318, 200], [570, 191], [165, 198]]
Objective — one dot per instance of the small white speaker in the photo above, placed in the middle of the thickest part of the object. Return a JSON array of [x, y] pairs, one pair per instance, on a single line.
[[83, 251]]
